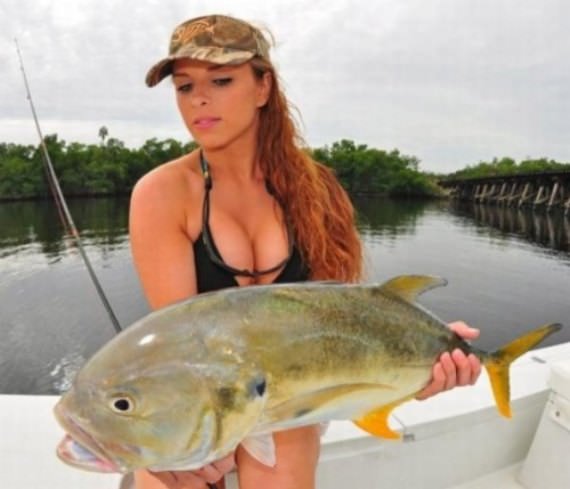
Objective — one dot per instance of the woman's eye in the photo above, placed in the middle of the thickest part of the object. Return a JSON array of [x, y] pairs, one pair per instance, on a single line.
[[221, 82], [186, 87]]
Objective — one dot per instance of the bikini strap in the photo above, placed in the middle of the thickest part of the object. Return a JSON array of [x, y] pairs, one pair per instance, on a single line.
[[205, 172], [208, 240]]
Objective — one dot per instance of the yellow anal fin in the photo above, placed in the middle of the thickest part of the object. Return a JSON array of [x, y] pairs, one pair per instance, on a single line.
[[376, 422]]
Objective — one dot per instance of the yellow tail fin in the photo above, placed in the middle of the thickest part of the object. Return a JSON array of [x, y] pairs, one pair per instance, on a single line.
[[497, 363]]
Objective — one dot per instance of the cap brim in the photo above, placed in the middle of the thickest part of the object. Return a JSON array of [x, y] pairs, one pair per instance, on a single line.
[[164, 67], [159, 71]]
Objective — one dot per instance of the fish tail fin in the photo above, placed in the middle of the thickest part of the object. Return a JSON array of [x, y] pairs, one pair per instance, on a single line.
[[497, 363]]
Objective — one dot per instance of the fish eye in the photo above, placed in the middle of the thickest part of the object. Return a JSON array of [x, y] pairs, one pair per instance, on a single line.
[[122, 405]]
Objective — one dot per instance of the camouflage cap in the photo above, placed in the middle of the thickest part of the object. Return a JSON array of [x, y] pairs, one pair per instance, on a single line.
[[215, 38]]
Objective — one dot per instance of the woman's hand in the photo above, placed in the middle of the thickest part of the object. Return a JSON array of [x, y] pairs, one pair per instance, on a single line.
[[195, 479], [455, 369]]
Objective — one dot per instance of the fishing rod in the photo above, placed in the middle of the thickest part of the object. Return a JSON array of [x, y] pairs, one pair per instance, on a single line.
[[62, 204], [67, 219]]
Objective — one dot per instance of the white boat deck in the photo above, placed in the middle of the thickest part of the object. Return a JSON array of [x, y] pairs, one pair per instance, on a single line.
[[501, 479], [453, 441]]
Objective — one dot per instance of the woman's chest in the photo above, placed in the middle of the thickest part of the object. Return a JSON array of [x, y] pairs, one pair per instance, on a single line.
[[243, 233]]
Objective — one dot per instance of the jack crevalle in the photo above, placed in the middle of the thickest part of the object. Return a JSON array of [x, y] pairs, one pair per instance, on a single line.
[[186, 384]]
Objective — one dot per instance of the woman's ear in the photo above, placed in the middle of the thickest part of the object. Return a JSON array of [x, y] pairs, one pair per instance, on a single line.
[[264, 89]]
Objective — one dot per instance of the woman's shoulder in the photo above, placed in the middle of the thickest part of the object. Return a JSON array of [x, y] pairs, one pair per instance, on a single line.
[[171, 178], [170, 196]]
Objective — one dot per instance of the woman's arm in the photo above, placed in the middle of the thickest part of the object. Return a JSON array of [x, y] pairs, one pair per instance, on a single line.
[[161, 248], [195, 479]]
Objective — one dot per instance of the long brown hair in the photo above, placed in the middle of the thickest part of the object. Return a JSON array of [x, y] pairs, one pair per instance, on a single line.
[[318, 208]]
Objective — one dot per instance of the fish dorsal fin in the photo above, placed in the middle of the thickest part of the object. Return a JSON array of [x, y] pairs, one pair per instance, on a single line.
[[409, 287]]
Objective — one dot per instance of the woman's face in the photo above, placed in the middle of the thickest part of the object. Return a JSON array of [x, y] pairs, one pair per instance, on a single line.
[[219, 103]]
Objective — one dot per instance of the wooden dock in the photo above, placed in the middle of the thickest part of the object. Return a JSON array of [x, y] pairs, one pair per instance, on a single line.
[[548, 190]]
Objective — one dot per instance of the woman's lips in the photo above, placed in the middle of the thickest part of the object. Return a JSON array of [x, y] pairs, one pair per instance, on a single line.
[[205, 122]]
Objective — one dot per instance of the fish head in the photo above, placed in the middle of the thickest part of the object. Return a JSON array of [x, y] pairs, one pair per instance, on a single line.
[[136, 422], [160, 414]]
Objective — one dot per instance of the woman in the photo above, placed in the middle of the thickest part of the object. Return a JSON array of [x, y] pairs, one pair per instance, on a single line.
[[248, 207]]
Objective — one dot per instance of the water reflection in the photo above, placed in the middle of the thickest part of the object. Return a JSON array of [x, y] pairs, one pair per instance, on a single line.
[[551, 230], [102, 222], [386, 218]]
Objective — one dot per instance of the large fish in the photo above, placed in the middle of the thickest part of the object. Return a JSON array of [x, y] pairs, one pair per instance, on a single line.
[[188, 383]]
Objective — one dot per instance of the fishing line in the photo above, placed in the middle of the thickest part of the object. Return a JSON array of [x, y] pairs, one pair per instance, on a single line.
[[62, 204]]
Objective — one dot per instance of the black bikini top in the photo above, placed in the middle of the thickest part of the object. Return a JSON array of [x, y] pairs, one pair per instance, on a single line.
[[212, 273]]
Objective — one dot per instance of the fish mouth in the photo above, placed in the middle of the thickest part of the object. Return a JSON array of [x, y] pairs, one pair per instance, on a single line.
[[78, 455], [79, 449]]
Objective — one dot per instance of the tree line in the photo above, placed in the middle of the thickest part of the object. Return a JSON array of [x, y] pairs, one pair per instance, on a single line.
[[82, 169], [110, 168], [508, 166]]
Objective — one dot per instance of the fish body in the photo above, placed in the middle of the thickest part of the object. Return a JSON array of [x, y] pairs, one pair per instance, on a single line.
[[186, 384]]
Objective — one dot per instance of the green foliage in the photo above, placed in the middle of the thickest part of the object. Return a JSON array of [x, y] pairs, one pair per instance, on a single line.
[[18, 178], [94, 169], [372, 171], [508, 166], [111, 168]]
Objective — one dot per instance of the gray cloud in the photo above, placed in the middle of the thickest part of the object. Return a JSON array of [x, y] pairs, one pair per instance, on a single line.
[[450, 81]]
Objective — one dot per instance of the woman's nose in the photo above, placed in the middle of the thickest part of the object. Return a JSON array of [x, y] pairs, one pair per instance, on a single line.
[[199, 97]]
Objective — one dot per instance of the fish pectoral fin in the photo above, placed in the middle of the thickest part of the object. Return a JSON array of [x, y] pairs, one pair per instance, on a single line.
[[409, 287], [261, 448], [316, 405], [376, 422]]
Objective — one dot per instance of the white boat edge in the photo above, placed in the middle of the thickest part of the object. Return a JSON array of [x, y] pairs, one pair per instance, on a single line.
[[455, 440]]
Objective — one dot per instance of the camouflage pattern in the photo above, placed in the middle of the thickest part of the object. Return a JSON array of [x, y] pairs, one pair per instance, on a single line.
[[215, 38]]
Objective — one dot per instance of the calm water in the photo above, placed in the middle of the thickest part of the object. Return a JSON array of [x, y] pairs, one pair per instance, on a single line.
[[508, 271]]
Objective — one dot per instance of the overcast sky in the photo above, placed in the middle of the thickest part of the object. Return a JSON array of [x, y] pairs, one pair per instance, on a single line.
[[452, 82]]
